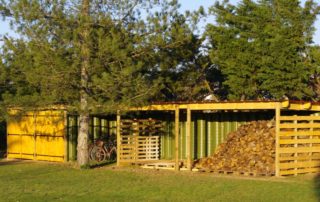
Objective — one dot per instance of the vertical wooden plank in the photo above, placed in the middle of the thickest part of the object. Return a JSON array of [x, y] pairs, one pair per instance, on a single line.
[[118, 137], [295, 145], [65, 138], [34, 135], [277, 146], [188, 132], [311, 137], [176, 138]]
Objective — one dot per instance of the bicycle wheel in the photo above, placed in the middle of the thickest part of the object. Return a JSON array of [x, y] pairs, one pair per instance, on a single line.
[[113, 154], [98, 154]]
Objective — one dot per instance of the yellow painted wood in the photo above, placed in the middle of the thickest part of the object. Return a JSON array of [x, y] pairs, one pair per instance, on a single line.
[[299, 141], [21, 125], [231, 106], [176, 138], [41, 135], [155, 107], [285, 104], [299, 171], [277, 146], [118, 137], [50, 148], [288, 150], [304, 106], [299, 125], [188, 136], [300, 118], [299, 158], [65, 116], [299, 133], [296, 165]]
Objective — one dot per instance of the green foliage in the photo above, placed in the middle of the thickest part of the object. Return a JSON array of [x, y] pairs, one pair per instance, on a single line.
[[130, 53], [315, 80], [262, 47]]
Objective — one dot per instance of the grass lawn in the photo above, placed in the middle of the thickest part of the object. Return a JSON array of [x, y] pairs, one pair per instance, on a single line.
[[30, 181]]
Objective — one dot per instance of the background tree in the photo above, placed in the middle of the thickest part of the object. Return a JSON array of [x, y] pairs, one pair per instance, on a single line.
[[262, 47], [315, 79], [93, 56]]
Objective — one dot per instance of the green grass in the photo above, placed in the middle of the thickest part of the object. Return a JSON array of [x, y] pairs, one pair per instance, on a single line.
[[52, 182]]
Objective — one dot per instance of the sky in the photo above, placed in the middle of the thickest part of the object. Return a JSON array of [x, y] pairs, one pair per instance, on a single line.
[[185, 5]]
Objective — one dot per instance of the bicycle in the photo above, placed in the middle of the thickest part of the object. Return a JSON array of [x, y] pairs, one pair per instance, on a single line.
[[101, 151]]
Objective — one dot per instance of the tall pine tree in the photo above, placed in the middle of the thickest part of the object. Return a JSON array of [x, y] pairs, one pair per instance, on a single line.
[[93, 56]]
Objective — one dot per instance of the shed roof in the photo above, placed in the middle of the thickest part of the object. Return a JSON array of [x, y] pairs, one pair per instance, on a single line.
[[231, 105]]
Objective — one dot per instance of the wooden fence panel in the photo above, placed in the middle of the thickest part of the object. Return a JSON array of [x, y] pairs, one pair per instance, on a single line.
[[299, 145], [140, 140]]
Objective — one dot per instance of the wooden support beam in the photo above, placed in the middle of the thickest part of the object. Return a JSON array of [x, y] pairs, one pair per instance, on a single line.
[[176, 138], [66, 136], [118, 137], [188, 134], [277, 146]]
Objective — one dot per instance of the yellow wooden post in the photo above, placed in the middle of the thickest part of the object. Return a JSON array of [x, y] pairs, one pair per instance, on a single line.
[[66, 138], [176, 135], [295, 145], [188, 131], [118, 137], [34, 135], [311, 145], [277, 146]]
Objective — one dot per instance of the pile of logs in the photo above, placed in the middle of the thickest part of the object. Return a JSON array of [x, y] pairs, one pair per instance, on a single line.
[[249, 149]]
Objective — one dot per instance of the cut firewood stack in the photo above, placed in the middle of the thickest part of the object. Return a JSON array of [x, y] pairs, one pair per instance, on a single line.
[[250, 149]]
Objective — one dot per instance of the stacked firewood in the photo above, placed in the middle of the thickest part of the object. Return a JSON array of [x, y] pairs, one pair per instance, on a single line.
[[249, 149]]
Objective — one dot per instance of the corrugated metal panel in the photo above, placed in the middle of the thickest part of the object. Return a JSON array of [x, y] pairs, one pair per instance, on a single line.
[[72, 137], [208, 130]]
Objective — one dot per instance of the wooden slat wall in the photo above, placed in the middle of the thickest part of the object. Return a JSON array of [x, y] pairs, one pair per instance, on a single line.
[[139, 140], [299, 145]]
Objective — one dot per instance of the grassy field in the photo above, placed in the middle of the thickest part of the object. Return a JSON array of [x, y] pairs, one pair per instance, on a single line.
[[30, 181]]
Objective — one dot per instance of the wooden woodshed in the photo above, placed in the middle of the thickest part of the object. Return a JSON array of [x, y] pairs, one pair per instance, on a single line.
[[181, 133]]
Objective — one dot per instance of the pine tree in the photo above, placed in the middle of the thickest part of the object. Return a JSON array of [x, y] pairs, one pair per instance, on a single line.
[[92, 56], [261, 47]]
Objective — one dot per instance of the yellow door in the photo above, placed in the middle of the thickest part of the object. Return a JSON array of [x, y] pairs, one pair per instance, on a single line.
[[38, 136], [20, 141], [50, 136]]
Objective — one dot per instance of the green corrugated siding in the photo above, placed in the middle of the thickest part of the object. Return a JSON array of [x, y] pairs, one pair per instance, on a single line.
[[72, 137], [208, 130]]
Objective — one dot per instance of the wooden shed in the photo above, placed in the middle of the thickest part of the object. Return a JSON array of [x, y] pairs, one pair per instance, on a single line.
[[49, 134], [173, 133], [199, 127]]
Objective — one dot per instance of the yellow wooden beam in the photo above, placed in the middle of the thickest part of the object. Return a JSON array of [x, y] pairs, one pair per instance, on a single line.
[[232, 106], [176, 138], [263, 105], [188, 134], [155, 107], [277, 146], [118, 137], [304, 106]]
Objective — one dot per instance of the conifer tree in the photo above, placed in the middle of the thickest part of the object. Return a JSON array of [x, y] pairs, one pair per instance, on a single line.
[[90, 55], [262, 47]]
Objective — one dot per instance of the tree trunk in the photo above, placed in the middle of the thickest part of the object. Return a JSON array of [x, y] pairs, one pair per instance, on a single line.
[[82, 155]]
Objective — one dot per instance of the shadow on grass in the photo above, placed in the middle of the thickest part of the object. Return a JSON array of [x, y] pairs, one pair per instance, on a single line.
[[317, 185], [101, 164], [4, 162]]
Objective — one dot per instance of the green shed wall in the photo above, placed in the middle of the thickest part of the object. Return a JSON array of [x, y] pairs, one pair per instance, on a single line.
[[208, 130]]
